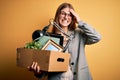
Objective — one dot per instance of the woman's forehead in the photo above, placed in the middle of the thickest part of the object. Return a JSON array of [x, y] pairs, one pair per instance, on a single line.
[[67, 10]]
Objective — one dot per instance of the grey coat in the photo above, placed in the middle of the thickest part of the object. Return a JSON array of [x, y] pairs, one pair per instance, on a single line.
[[88, 35], [85, 34]]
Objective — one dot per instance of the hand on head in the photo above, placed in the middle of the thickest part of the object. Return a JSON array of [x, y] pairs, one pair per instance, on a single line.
[[75, 15]]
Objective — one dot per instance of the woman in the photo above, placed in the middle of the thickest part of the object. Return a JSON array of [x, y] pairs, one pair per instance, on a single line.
[[83, 34]]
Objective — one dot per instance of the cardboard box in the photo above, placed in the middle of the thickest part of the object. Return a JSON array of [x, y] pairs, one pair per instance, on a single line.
[[50, 61]]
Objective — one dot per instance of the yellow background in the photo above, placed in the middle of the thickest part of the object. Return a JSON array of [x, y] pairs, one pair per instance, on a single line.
[[19, 18]]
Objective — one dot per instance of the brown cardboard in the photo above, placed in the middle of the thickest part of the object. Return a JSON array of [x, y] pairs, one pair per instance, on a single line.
[[50, 61]]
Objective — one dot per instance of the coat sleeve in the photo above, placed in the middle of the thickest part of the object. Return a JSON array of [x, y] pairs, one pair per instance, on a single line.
[[40, 76], [89, 33]]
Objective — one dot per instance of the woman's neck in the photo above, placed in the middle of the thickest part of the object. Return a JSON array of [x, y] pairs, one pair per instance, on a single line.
[[65, 29]]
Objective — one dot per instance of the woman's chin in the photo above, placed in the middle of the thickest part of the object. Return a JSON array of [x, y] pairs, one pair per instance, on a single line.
[[64, 25]]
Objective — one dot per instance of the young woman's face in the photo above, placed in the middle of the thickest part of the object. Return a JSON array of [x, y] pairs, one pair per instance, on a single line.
[[65, 17]]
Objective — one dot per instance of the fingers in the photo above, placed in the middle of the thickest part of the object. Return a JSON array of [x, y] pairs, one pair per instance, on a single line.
[[38, 69], [34, 67], [33, 64], [73, 12], [75, 15]]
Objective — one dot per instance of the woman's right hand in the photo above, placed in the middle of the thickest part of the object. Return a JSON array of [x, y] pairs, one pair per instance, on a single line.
[[35, 68], [75, 15]]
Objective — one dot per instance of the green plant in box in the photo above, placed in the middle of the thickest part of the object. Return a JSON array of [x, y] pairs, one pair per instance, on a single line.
[[33, 45]]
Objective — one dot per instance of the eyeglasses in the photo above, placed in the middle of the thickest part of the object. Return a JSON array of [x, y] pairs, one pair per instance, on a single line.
[[65, 14]]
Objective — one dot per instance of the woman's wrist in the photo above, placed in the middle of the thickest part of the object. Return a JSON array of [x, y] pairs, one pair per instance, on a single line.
[[78, 19]]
